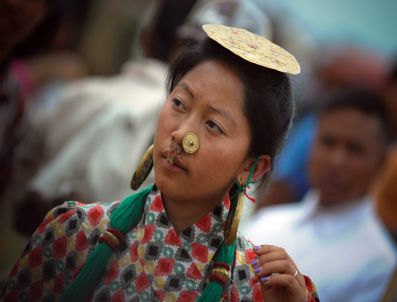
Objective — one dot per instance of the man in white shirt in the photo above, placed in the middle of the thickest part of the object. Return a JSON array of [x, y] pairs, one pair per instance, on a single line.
[[334, 234]]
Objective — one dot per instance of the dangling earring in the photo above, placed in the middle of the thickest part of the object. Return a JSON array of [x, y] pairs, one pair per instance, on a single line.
[[143, 170], [236, 206]]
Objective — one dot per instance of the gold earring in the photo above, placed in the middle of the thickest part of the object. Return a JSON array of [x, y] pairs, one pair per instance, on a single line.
[[190, 142], [143, 169], [235, 215]]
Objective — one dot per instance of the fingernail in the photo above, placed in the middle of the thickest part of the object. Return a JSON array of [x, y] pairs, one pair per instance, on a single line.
[[256, 248], [257, 270], [265, 279], [254, 262]]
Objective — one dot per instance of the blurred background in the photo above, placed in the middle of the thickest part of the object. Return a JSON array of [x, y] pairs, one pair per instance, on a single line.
[[82, 82], [363, 23]]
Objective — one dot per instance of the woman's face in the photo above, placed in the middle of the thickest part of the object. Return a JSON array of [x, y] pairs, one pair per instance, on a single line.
[[208, 101]]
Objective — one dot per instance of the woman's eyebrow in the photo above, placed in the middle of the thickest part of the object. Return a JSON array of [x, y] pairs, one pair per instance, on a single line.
[[187, 88], [211, 108], [224, 113]]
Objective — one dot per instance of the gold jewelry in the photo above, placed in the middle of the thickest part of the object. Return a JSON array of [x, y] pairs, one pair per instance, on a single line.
[[190, 142], [143, 170], [220, 273], [232, 231], [253, 48]]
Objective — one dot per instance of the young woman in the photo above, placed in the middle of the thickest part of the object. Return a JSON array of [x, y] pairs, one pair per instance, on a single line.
[[228, 110]]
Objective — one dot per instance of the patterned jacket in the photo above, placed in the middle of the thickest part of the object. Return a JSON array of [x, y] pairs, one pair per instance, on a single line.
[[155, 264]]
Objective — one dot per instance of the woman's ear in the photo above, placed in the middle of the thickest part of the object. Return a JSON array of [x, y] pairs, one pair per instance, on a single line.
[[263, 166]]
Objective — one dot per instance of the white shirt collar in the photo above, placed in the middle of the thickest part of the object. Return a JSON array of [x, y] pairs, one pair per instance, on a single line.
[[311, 207]]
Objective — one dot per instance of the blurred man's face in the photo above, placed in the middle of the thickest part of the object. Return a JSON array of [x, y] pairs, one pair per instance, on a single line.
[[346, 156]]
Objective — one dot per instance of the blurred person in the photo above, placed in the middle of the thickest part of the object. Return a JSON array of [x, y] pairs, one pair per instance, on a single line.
[[17, 20], [37, 59], [334, 233], [88, 127], [176, 240], [84, 137], [391, 98], [340, 67], [385, 189], [27, 33], [38, 52]]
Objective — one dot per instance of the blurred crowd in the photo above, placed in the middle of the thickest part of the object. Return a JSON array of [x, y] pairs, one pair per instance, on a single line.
[[81, 84]]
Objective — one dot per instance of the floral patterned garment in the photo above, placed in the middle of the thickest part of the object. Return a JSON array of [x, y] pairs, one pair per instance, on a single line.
[[155, 264]]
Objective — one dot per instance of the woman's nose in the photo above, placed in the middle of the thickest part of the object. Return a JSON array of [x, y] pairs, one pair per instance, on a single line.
[[187, 137], [179, 133]]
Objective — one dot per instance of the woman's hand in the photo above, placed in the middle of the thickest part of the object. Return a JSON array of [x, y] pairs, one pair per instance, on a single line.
[[278, 274]]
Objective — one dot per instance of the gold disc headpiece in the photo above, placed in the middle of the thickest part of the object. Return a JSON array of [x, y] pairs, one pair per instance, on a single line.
[[253, 48], [190, 142]]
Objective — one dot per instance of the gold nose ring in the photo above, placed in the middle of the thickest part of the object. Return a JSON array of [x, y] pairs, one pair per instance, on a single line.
[[190, 142]]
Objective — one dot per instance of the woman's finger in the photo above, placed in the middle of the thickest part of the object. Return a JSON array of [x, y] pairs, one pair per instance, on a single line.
[[278, 266], [269, 257], [264, 249], [291, 284], [280, 280]]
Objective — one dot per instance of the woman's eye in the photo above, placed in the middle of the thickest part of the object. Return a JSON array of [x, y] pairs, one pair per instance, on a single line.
[[214, 127], [178, 104]]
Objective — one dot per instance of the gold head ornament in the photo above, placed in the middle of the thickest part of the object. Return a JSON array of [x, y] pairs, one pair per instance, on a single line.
[[253, 48]]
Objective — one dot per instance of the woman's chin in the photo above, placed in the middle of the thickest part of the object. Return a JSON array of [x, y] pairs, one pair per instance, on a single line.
[[167, 185]]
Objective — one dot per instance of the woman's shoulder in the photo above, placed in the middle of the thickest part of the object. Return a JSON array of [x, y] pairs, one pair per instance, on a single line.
[[74, 225], [58, 248], [74, 213]]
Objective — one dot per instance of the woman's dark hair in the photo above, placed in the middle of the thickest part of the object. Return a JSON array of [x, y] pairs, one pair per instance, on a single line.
[[268, 99]]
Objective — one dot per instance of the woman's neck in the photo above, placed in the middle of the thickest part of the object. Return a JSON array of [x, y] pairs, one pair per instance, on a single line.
[[183, 214]]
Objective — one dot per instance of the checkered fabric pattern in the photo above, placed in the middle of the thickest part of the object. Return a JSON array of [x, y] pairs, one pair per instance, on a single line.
[[155, 263]]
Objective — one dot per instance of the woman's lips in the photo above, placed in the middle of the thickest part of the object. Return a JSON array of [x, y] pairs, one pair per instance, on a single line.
[[179, 164], [173, 160]]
